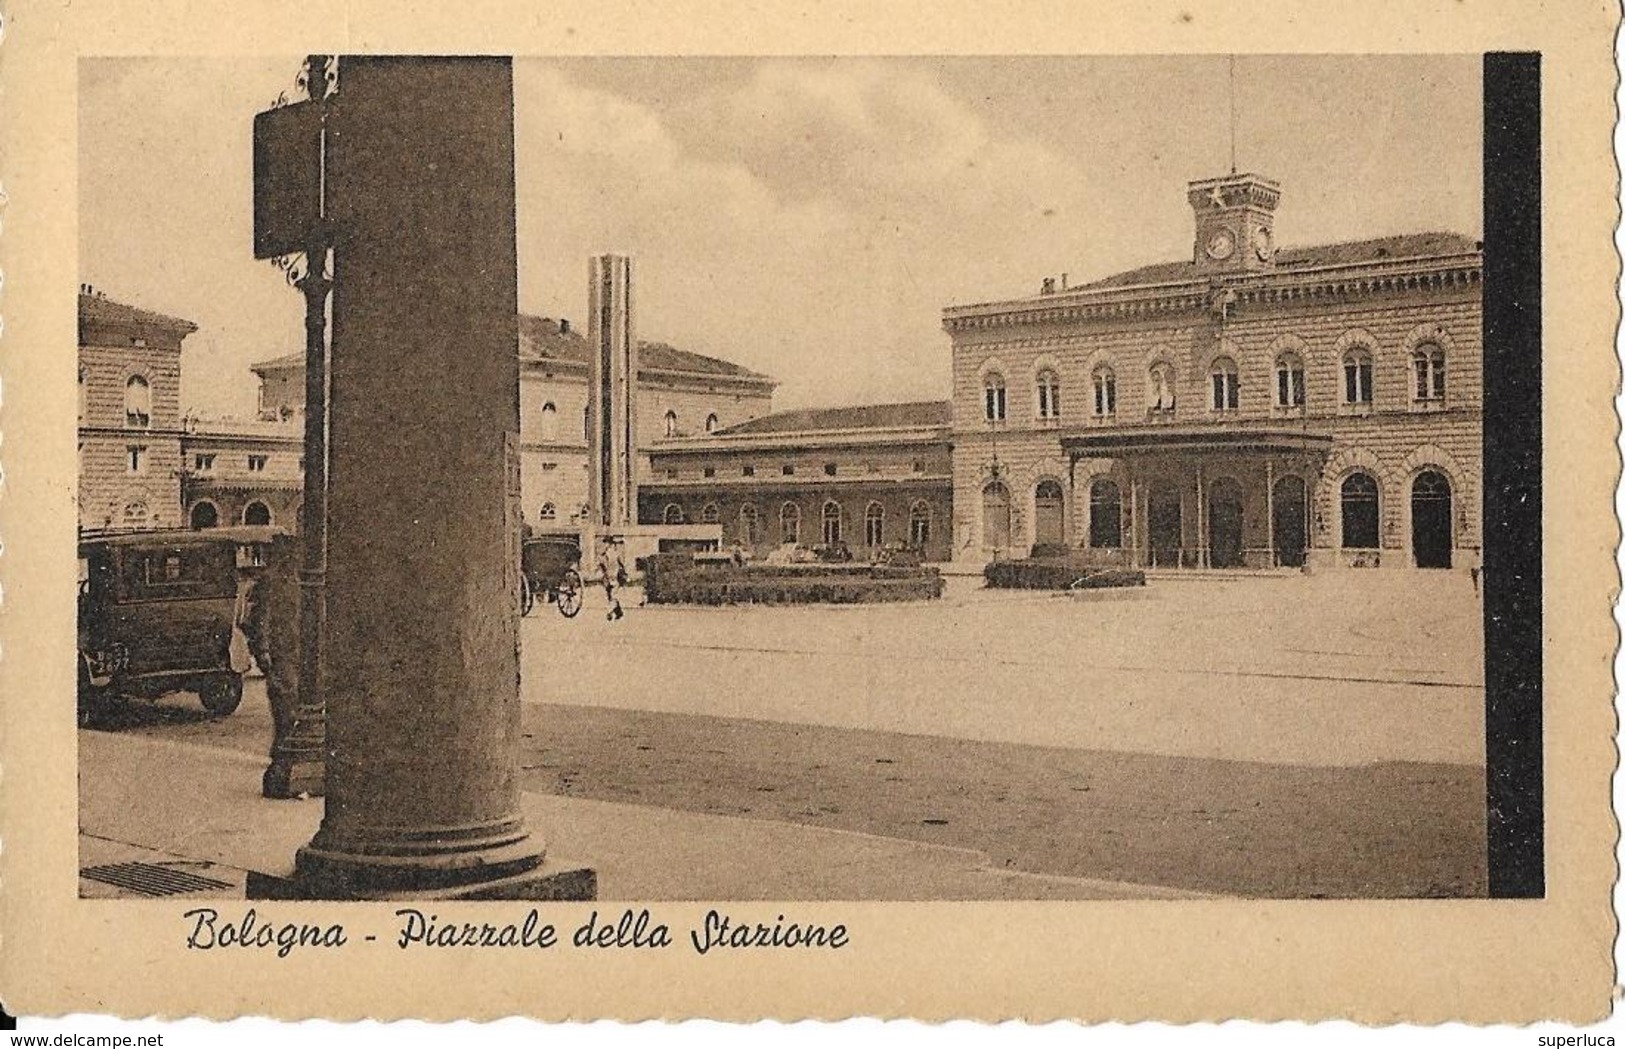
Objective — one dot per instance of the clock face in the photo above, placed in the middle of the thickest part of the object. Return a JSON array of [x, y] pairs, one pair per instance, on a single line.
[[1263, 244], [1221, 245]]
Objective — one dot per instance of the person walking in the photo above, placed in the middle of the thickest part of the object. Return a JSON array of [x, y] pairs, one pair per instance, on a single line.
[[612, 573]]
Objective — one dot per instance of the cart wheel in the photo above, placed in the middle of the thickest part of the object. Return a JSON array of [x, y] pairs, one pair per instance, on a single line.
[[527, 596], [570, 593], [221, 694]]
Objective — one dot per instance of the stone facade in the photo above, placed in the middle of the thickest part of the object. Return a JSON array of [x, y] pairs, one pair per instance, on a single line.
[[1239, 397], [129, 415], [553, 405], [872, 477], [243, 472]]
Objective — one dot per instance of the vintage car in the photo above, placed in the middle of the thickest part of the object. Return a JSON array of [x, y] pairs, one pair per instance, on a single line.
[[157, 613]]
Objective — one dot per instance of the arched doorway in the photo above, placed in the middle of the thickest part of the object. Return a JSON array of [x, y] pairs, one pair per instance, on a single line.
[[1164, 526], [256, 513], [1049, 513], [996, 516], [1431, 520], [1291, 522], [1224, 516], [205, 515]]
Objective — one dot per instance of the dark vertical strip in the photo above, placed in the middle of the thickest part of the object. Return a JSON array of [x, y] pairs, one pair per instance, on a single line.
[[1512, 489]]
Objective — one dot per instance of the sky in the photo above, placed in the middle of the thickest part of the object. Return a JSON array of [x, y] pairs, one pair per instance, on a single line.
[[805, 217]]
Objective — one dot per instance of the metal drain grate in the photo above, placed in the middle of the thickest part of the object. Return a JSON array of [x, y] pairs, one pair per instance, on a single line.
[[151, 880]]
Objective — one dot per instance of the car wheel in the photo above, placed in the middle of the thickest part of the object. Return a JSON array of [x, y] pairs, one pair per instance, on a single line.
[[221, 694]]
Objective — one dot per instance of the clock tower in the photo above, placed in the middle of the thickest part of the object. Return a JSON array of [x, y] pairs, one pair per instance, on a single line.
[[1235, 222]]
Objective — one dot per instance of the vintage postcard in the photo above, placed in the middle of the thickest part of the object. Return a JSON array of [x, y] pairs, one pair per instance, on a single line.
[[808, 512]]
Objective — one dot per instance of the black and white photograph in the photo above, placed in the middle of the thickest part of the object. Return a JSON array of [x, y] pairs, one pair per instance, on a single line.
[[888, 496], [769, 532]]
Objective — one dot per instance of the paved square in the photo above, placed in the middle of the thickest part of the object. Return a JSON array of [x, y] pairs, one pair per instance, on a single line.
[[1294, 736]]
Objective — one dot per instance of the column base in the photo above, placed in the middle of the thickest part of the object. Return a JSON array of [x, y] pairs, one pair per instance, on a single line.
[[553, 881], [291, 777]]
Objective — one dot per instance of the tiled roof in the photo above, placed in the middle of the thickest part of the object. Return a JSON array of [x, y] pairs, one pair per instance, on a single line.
[[98, 309], [1406, 246], [859, 417], [540, 338]]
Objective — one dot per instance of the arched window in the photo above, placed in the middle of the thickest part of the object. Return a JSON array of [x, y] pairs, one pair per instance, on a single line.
[[790, 523], [993, 397], [135, 514], [1105, 392], [1105, 515], [711, 422], [549, 512], [256, 513], [749, 524], [1049, 394], [81, 393], [874, 525], [1289, 391], [671, 423], [1357, 376], [137, 403], [919, 523], [550, 421], [1162, 387], [205, 514], [1427, 363], [832, 522], [710, 513], [673, 514], [1360, 512], [1226, 385]]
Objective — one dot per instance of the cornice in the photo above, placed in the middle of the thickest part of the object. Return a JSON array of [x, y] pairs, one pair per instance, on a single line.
[[1421, 275]]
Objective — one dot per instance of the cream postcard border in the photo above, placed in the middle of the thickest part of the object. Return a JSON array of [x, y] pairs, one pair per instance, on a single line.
[[1425, 961]]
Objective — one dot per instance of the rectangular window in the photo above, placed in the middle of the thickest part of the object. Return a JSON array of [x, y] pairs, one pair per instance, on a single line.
[[710, 471], [256, 463], [829, 469], [135, 458], [203, 462], [749, 471], [1357, 382], [789, 470]]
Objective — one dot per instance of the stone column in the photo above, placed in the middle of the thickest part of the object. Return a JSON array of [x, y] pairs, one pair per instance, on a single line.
[[421, 678]]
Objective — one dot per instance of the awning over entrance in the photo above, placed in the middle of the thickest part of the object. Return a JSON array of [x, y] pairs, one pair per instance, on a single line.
[[1164, 440]]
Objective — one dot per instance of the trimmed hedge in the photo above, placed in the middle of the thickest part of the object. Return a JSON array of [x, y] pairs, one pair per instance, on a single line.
[[672, 581], [1057, 574], [704, 588]]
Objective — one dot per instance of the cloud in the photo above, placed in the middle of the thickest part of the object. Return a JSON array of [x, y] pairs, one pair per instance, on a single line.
[[809, 221]]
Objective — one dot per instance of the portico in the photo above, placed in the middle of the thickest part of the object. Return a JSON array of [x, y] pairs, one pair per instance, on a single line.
[[1197, 497]]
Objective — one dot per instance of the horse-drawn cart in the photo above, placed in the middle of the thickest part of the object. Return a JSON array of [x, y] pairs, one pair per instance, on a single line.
[[550, 567]]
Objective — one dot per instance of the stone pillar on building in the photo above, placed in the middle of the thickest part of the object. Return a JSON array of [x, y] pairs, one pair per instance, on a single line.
[[422, 679]]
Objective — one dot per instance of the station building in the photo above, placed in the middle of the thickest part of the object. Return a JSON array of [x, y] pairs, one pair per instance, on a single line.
[[869, 477], [1247, 407]]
